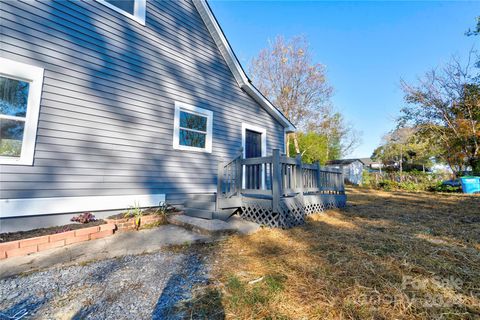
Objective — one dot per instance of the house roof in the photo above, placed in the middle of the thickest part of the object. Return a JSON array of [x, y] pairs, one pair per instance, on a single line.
[[367, 161], [344, 161], [234, 65]]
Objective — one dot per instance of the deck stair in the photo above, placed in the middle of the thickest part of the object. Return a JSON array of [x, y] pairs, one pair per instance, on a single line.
[[204, 206]]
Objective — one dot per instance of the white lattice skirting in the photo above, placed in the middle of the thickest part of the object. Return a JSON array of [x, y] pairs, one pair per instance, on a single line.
[[293, 210]]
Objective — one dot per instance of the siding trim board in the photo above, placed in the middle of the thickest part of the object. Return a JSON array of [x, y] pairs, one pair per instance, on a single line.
[[57, 205]]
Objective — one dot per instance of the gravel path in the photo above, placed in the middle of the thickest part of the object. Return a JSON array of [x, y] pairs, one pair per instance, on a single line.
[[132, 287]]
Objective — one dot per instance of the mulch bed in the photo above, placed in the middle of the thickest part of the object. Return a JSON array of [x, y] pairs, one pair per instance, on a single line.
[[19, 235], [145, 212]]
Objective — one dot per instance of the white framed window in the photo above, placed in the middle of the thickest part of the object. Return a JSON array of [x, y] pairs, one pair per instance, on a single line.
[[134, 9], [20, 91], [192, 128]]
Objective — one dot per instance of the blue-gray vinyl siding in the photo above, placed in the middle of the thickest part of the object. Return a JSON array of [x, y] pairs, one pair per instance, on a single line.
[[107, 107]]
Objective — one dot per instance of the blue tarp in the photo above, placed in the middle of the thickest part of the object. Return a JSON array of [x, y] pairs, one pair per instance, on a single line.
[[470, 184]]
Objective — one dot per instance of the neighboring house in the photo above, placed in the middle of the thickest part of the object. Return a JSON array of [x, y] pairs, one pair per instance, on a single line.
[[352, 169], [371, 165], [111, 102]]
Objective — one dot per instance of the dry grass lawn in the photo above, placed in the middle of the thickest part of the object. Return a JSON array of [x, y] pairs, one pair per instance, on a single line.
[[388, 255]]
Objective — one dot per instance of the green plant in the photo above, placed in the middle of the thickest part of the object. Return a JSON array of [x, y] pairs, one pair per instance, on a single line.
[[410, 186], [136, 213], [164, 208], [439, 187], [387, 185]]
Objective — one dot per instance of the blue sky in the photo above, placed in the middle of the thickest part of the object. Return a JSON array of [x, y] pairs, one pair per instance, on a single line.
[[367, 47]]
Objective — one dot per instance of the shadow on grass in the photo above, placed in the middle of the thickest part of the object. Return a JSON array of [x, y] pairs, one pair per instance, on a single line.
[[186, 294]]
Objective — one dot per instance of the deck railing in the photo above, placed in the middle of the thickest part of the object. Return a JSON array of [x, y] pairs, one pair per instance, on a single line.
[[276, 176]]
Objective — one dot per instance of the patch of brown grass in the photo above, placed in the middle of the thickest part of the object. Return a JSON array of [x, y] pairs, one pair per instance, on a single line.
[[386, 256]]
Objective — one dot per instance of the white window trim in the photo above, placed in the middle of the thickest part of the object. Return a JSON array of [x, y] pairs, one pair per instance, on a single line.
[[179, 106], [139, 10], [263, 131], [33, 75]]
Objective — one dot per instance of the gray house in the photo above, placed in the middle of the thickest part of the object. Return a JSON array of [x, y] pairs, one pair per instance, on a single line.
[[352, 169], [110, 102]]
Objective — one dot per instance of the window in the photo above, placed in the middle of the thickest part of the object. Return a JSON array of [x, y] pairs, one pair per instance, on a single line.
[[192, 128], [20, 90], [134, 9]]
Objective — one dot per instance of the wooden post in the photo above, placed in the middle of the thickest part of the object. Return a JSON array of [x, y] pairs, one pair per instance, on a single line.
[[276, 180], [299, 174], [219, 183], [238, 175], [319, 177]]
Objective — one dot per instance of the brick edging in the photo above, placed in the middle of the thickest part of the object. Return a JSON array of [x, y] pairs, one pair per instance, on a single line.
[[31, 245]]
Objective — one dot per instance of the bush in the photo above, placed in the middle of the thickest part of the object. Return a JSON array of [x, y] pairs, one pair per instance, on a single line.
[[408, 181], [85, 217], [388, 185], [444, 188], [411, 186]]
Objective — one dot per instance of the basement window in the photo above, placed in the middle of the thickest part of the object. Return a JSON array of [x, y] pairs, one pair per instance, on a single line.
[[134, 9], [192, 128], [20, 91]]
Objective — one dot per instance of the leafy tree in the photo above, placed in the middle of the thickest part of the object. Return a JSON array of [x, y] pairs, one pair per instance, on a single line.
[[406, 146], [313, 147], [341, 137], [445, 106]]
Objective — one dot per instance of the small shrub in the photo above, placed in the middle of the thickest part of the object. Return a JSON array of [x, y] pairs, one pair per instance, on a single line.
[[444, 188], [410, 186], [387, 185], [85, 217], [164, 208], [135, 212]]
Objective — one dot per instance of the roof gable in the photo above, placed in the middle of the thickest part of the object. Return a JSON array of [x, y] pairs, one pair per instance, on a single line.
[[234, 65]]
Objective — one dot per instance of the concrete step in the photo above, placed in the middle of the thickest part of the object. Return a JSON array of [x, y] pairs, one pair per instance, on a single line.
[[212, 227], [198, 213], [200, 204], [223, 214]]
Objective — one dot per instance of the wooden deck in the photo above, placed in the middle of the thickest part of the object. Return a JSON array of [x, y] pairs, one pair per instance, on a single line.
[[276, 190]]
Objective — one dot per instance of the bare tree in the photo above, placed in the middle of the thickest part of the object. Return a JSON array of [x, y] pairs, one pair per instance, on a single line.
[[445, 104], [285, 73]]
